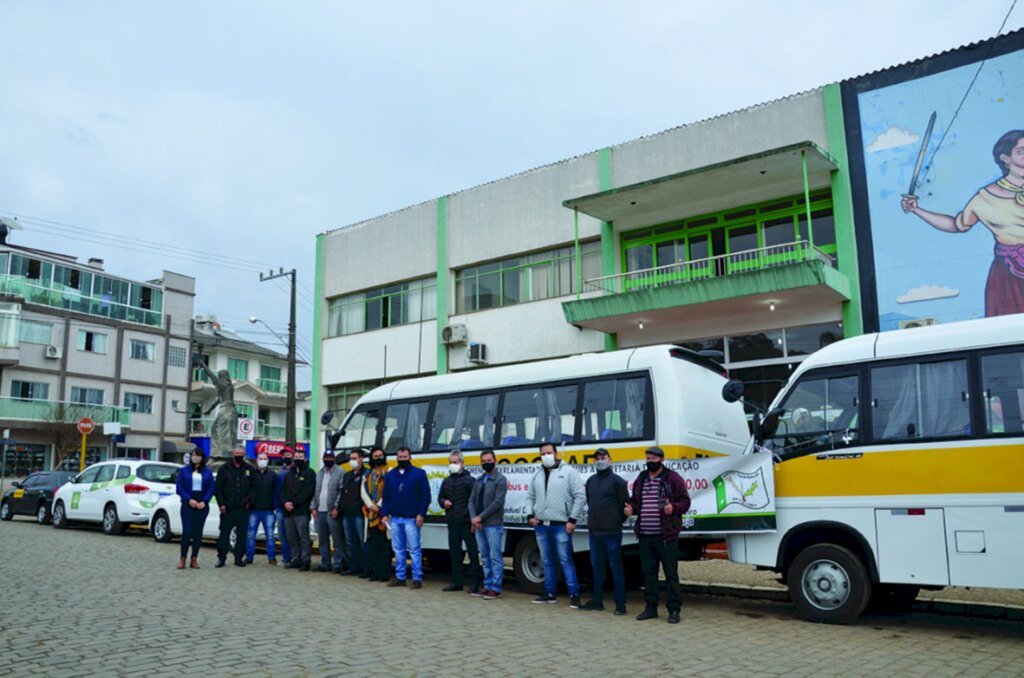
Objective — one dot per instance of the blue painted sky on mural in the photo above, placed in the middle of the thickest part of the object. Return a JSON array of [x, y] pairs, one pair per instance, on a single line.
[[245, 128]]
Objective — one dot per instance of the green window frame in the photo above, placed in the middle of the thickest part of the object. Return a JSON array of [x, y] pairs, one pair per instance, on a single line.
[[270, 379], [343, 397], [238, 369], [399, 304], [246, 410]]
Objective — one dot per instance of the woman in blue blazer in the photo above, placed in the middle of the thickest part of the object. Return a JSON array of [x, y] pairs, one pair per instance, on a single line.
[[195, 489]]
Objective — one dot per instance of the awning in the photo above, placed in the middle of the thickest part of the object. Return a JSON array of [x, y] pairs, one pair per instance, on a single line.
[[742, 181]]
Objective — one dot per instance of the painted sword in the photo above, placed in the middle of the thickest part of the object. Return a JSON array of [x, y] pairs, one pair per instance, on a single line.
[[920, 158]]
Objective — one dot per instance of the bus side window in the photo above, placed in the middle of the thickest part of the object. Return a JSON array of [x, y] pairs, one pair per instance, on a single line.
[[820, 414], [403, 425], [464, 423], [920, 400], [1002, 385], [613, 409], [361, 429]]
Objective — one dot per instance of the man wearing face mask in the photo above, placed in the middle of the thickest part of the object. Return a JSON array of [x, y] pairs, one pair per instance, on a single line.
[[407, 498], [264, 489], [297, 490], [659, 502], [287, 457], [453, 497], [325, 515], [377, 550], [487, 516], [555, 502], [349, 508], [233, 490], [607, 494]]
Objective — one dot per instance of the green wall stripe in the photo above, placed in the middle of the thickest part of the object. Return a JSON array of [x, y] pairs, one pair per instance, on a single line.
[[608, 258], [442, 282], [318, 304], [842, 208]]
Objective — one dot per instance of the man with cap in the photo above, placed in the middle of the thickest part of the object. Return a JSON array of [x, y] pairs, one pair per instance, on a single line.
[[233, 490], [659, 502], [607, 494], [325, 515]]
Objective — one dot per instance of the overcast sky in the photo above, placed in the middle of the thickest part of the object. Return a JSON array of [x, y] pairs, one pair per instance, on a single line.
[[245, 128]]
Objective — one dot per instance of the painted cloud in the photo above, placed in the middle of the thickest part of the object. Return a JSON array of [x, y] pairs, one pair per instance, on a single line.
[[927, 293], [892, 138]]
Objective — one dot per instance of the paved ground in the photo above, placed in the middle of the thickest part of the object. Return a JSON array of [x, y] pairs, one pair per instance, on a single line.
[[81, 603]]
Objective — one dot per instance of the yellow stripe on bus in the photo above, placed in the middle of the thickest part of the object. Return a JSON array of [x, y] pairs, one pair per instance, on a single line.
[[935, 470], [574, 455]]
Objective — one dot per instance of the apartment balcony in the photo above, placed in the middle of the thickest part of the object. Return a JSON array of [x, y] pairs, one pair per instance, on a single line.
[[63, 297], [782, 285], [59, 412], [201, 427], [275, 386]]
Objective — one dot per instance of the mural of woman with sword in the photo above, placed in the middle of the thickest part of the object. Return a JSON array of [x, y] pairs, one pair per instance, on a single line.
[[999, 207]]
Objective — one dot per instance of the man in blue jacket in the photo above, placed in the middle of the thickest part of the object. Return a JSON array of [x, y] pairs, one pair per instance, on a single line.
[[406, 499]]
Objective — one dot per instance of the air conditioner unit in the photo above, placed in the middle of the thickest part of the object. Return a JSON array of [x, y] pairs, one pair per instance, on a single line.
[[454, 334], [52, 352], [477, 353], [919, 322]]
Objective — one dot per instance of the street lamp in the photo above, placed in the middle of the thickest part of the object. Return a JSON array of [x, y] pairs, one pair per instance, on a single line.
[[289, 424]]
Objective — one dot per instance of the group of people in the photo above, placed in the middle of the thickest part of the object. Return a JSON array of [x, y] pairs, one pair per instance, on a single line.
[[367, 513]]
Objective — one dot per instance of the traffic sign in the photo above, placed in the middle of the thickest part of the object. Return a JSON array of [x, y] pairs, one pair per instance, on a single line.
[[86, 426], [246, 428]]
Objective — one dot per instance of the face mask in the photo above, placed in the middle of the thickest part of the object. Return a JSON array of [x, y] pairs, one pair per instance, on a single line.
[[548, 460], [197, 459], [238, 458], [354, 463], [404, 463], [602, 465], [328, 463], [380, 461], [262, 463], [298, 463], [653, 466], [454, 468], [288, 461], [488, 466]]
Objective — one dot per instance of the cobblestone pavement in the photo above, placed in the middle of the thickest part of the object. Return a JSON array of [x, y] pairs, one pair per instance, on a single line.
[[81, 603]]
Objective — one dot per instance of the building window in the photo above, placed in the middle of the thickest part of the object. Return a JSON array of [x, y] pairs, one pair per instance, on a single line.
[[93, 342], [142, 350], [270, 379], [10, 317], [177, 356], [238, 369], [341, 399], [400, 304], [30, 390], [86, 396], [138, 402], [35, 332], [541, 275], [245, 410]]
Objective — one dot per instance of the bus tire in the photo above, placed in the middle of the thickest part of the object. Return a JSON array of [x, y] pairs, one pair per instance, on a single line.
[[526, 565], [828, 584]]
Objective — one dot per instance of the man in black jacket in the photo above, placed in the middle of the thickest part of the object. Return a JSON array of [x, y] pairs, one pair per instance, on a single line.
[[297, 489], [349, 509], [453, 497], [607, 494], [263, 491], [233, 490]]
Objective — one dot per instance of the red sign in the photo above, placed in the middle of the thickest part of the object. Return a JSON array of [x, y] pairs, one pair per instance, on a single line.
[[86, 426], [271, 447]]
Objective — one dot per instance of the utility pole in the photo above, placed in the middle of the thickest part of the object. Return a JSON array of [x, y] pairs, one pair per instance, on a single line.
[[289, 425]]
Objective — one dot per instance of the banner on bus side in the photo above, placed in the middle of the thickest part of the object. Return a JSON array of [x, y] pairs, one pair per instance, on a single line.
[[728, 494]]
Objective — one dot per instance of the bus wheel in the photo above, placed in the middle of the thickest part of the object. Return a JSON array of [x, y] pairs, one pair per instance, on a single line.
[[527, 566], [828, 584]]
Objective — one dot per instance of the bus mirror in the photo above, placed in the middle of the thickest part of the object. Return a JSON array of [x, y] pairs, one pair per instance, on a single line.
[[333, 439], [771, 422], [326, 418], [733, 391]]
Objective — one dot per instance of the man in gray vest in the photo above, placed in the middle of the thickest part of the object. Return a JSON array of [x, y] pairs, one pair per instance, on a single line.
[[325, 515]]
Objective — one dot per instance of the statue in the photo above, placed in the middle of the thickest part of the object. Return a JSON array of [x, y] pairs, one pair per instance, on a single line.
[[224, 431]]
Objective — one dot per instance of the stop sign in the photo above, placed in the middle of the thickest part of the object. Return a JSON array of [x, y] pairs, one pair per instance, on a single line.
[[86, 426]]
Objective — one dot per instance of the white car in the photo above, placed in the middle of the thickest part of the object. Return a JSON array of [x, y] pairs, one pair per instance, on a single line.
[[165, 525], [116, 494]]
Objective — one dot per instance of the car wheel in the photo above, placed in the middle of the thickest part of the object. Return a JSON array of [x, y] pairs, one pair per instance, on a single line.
[[161, 528], [5, 511], [828, 584], [60, 516], [111, 523], [527, 565], [43, 514]]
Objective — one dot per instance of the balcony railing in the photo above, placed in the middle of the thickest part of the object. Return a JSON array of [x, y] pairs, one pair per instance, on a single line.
[[202, 426], [60, 412], [272, 385], [709, 268], [73, 300]]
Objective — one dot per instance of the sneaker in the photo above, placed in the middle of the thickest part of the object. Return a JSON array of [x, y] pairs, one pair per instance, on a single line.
[[272, 562], [620, 611], [221, 562], [545, 598], [292, 565], [673, 617], [492, 595], [574, 603], [591, 605], [248, 561], [648, 613], [304, 567], [239, 563], [416, 584], [477, 593], [395, 582], [451, 587]]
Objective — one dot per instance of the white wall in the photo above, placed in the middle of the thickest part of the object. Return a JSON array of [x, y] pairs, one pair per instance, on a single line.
[[360, 357]]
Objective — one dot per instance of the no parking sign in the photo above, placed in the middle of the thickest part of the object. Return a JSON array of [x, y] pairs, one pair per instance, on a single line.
[[246, 428]]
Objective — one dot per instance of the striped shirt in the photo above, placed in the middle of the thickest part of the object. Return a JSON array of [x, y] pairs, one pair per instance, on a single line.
[[650, 507]]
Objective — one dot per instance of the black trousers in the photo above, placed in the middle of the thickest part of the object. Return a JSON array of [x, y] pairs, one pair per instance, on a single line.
[[378, 553], [192, 522], [654, 551], [457, 536], [237, 518]]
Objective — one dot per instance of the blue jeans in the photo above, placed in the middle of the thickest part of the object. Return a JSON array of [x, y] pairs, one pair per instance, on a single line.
[[352, 523], [555, 543], [405, 535], [286, 550], [489, 540], [608, 547], [268, 520]]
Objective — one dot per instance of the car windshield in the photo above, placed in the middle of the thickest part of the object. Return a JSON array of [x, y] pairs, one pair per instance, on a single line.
[[157, 473]]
